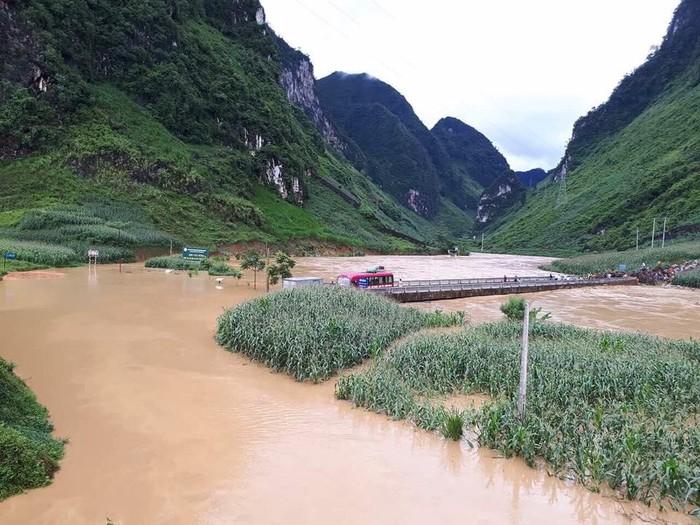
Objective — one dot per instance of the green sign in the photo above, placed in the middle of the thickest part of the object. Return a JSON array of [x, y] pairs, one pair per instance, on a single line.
[[195, 254]]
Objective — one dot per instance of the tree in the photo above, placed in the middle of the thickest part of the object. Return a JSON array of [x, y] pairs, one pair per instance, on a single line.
[[280, 269], [252, 260], [514, 310]]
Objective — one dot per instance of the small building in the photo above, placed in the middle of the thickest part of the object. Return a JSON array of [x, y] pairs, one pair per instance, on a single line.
[[299, 282]]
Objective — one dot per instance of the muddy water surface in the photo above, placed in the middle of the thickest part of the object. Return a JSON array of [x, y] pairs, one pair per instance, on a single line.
[[667, 311], [165, 427]]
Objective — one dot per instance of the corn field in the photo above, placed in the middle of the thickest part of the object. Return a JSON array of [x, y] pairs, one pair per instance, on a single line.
[[62, 237], [609, 408], [39, 253], [309, 333]]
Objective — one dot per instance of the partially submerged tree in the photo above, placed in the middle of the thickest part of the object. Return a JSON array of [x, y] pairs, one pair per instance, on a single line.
[[280, 269], [252, 260]]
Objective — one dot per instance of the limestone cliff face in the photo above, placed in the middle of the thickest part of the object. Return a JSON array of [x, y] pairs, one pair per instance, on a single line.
[[298, 81], [504, 193]]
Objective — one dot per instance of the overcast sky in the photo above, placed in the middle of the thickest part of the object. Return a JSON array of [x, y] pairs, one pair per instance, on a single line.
[[520, 71]]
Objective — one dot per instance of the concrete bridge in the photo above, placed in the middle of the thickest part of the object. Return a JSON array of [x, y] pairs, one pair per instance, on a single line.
[[437, 290]]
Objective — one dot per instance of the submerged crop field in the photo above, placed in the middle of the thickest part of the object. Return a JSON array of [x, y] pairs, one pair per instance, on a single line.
[[604, 408], [311, 332], [633, 259], [29, 454], [61, 237]]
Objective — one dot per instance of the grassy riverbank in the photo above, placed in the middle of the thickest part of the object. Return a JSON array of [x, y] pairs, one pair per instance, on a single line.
[[614, 409], [29, 454], [309, 333], [633, 259]]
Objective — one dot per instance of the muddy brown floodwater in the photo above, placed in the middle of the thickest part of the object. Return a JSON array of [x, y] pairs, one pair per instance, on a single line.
[[165, 427]]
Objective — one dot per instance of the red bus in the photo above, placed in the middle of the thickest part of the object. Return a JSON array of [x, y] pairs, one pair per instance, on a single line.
[[367, 279]]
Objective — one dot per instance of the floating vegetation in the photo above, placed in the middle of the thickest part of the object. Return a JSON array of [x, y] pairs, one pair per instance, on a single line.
[[620, 409], [311, 332]]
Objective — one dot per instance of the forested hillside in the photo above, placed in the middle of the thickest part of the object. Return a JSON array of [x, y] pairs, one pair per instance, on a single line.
[[174, 117]]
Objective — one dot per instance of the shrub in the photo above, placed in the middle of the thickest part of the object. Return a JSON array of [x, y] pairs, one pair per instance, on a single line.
[[172, 262], [311, 332], [514, 310], [453, 426], [689, 278], [220, 268]]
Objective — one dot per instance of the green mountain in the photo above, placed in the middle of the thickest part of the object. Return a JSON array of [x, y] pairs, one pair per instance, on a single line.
[[440, 174], [630, 160], [470, 152], [531, 178], [186, 119], [394, 147]]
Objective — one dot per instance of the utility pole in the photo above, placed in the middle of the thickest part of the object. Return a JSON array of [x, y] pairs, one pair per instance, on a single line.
[[522, 391], [637, 239], [482, 242], [267, 268], [663, 236], [653, 233], [171, 246]]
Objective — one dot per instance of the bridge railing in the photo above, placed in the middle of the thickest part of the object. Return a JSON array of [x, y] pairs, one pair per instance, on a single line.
[[490, 284], [488, 280]]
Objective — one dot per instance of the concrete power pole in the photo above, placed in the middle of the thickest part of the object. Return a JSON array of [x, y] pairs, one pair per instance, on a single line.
[[653, 233], [663, 236], [522, 391]]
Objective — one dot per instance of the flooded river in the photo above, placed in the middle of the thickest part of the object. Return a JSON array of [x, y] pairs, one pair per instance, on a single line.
[[165, 427]]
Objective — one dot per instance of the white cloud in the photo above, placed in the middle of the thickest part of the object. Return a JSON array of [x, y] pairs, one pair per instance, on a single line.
[[519, 71]]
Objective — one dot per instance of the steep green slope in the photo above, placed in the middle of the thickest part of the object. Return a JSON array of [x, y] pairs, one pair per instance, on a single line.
[[29, 454], [174, 110], [651, 169], [387, 140], [633, 159]]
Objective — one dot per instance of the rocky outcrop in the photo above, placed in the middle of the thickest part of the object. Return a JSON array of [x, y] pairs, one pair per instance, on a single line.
[[288, 188], [503, 194], [20, 52], [298, 81]]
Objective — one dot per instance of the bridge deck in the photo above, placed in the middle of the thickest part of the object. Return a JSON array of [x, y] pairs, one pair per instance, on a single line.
[[436, 290]]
